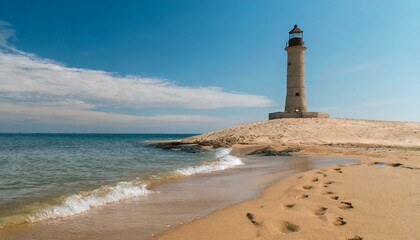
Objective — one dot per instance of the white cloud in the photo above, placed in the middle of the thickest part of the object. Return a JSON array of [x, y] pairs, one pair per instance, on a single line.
[[44, 90], [26, 76], [75, 115]]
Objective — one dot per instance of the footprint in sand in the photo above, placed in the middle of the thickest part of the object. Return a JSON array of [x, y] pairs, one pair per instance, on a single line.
[[334, 197], [323, 174], [251, 217], [338, 170], [315, 179], [396, 164], [328, 193], [326, 184], [307, 187], [320, 211], [288, 227], [355, 238], [290, 205], [339, 221], [301, 196], [345, 205]]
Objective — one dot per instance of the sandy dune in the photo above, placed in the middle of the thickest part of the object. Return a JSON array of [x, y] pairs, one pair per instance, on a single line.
[[319, 131]]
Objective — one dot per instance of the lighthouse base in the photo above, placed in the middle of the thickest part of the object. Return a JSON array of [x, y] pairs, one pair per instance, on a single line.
[[277, 115]]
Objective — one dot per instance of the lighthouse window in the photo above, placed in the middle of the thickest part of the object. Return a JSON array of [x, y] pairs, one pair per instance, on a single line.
[[297, 94], [288, 63]]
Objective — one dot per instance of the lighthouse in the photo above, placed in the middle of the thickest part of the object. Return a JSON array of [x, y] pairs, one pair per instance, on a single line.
[[295, 106], [296, 94]]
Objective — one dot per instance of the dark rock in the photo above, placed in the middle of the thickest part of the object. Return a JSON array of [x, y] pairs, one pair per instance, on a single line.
[[178, 146], [192, 148], [269, 151]]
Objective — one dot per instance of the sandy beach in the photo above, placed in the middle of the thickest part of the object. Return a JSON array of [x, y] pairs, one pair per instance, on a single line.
[[378, 198], [302, 179]]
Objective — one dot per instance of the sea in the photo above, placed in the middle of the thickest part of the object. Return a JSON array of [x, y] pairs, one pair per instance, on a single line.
[[48, 176]]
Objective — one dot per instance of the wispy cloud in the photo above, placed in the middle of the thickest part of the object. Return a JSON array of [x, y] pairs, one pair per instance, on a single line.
[[41, 89], [76, 115], [6, 34]]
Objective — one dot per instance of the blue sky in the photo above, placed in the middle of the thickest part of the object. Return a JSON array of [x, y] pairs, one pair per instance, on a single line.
[[196, 66]]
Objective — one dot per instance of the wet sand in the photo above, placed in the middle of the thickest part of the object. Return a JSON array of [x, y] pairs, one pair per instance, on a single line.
[[173, 203]]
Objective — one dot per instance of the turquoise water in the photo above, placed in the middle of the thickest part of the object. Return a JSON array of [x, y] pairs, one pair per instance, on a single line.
[[45, 176]]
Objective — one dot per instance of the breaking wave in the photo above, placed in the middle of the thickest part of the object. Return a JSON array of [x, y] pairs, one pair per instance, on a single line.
[[225, 161], [82, 202]]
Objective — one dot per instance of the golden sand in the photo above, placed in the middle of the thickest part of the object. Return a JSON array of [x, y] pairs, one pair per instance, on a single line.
[[379, 198]]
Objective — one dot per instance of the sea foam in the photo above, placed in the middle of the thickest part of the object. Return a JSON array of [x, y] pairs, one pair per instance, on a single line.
[[82, 202], [225, 161]]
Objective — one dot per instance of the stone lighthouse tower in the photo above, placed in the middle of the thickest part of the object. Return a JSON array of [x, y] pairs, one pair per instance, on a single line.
[[296, 94], [295, 106]]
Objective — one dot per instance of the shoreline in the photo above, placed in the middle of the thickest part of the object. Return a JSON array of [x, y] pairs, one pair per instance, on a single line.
[[375, 199], [347, 201], [176, 202]]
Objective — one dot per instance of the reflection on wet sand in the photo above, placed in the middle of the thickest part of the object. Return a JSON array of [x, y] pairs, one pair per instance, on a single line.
[[304, 164]]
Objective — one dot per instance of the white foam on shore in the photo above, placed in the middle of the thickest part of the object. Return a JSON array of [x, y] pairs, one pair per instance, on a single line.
[[225, 161], [79, 203], [84, 201]]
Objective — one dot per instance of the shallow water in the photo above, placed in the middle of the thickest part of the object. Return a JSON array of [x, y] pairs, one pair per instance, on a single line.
[[56, 175]]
